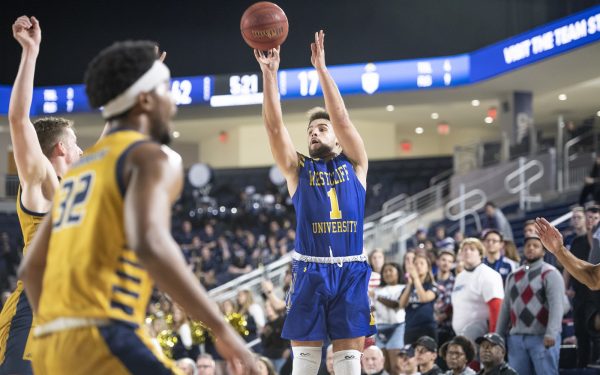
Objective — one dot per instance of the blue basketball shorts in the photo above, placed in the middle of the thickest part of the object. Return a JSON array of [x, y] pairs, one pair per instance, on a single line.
[[327, 300]]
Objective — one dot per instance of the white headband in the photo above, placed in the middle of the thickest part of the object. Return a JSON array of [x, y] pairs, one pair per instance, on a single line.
[[148, 81]]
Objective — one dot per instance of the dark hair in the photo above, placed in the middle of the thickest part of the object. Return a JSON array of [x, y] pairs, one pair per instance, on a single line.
[[487, 232], [491, 204], [397, 267], [467, 346], [115, 69], [317, 113], [593, 209], [50, 131], [421, 254]]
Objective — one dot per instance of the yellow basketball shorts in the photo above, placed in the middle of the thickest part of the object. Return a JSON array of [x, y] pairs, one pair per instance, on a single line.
[[117, 348]]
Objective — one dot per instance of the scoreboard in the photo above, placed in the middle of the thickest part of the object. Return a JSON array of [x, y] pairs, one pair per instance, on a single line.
[[370, 78]]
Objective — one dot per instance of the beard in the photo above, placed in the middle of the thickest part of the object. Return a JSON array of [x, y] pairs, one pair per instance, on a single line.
[[165, 139], [163, 136], [320, 152], [533, 259]]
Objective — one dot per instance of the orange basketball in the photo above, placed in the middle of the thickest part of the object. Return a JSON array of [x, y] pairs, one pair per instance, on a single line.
[[264, 25]]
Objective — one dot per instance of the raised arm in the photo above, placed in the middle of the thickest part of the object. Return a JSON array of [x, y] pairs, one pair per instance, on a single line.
[[32, 164], [583, 271], [346, 132], [153, 177], [282, 148]]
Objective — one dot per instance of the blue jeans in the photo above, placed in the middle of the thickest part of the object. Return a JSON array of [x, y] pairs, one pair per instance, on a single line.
[[390, 336], [528, 356]]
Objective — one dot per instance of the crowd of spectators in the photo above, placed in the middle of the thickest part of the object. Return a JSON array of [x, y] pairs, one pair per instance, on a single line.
[[449, 304]]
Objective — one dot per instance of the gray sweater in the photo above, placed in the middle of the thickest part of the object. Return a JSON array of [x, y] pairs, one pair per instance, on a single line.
[[533, 301]]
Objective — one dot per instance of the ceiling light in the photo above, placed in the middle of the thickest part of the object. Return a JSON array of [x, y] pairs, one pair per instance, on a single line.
[[562, 97], [435, 116], [419, 130], [176, 134], [488, 120], [389, 108], [598, 113], [475, 103]]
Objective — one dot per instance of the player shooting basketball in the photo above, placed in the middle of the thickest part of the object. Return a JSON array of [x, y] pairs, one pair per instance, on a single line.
[[329, 292]]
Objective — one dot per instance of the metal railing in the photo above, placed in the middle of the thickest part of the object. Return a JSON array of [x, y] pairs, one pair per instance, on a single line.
[[574, 173], [463, 210], [274, 271], [524, 183]]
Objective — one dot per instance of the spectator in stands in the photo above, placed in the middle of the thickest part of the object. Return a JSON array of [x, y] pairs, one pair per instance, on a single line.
[[240, 264], [187, 366], [443, 304], [458, 238], [209, 268], [426, 354], [534, 309], [266, 367], [511, 253], [372, 361], [529, 230], [208, 235], [491, 354], [274, 346], [269, 295], [579, 293], [186, 236], [418, 298], [184, 347], [388, 314], [252, 311], [205, 364], [458, 353], [477, 293], [406, 362], [591, 185], [442, 241], [493, 243], [495, 219], [376, 260], [417, 239], [577, 226]]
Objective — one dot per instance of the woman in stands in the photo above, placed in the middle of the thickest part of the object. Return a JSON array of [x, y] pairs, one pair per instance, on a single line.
[[388, 314], [418, 299]]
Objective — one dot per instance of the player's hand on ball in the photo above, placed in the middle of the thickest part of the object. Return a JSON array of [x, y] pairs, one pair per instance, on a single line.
[[268, 60]]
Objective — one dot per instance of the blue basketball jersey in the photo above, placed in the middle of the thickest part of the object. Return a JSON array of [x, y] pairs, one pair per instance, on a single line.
[[330, 207]]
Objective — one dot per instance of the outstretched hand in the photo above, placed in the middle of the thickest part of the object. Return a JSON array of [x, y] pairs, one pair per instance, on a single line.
[[549, 235], [26, 30], [317, 49], [268, 60]]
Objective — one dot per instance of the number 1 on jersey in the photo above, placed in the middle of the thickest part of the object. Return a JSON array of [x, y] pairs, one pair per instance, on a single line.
[[335, 212]]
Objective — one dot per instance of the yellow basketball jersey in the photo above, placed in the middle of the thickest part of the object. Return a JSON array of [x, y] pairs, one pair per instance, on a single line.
[[90, 271], [28, 220]]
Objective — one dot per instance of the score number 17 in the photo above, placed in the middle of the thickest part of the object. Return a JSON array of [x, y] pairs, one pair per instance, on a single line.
[[309, 82]]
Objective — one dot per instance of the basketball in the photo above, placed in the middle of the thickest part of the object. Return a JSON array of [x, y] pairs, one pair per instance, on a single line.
[[264, 25]]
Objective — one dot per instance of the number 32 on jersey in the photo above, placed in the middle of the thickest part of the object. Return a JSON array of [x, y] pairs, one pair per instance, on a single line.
[[73, 196]]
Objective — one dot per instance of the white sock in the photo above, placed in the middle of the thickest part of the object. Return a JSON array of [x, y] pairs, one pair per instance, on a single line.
[[307, 360], [347, 362]]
